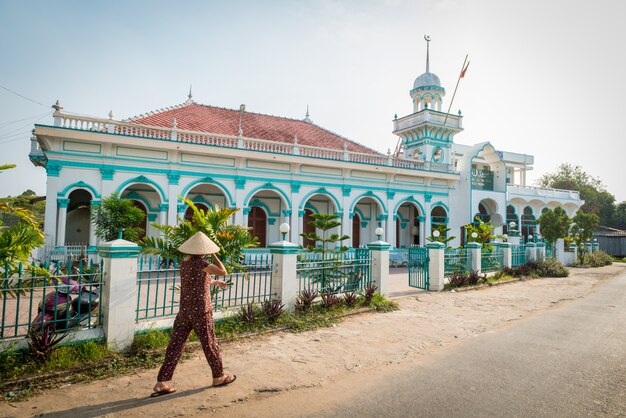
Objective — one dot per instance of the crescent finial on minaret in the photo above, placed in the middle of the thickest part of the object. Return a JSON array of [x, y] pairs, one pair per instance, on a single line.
[[427, 39]]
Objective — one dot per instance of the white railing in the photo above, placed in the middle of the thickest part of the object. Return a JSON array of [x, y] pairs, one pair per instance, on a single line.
[[427, 115], [111, 126], [540, 192]]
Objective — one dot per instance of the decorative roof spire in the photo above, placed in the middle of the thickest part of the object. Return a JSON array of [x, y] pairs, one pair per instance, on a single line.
[[189, 95], [306, 117], [427, 38]]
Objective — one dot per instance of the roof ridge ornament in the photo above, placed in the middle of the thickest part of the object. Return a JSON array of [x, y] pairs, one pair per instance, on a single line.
[[306, 117], [427, 39], [189, 96]]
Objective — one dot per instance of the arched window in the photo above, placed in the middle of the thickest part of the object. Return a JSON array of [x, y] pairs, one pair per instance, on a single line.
[[143, 225], [438, 217], [483, 214], [511, 216], [189, 211], [257, 221]]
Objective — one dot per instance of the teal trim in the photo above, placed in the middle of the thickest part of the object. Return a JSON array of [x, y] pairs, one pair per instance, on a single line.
[[152, 217], [379, 246], [133, 195], [131, 168], [435, 245], [473, 245], [271, 221], [53, 170], [286, 248], [63, 203], [310, 207], [143, 180], [371, 194], [79, 185], [163, 154], [263, 205], [163, 207], [440, 203], [390, 194], [267, 186], [360, 213], [240, 183], [210, 180], [173, 178], [412, 200], [126, 251], [95, 202], [346, 190], [83, 151], [107, 173], [324, 192], [287, 212]]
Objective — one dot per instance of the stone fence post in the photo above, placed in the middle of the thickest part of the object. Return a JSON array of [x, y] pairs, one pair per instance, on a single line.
[[379, 252], [507, 254], [541, 251], [119, 292], [475, 251], [284, 276], [588, 247], [436, 267], [595, 247], [531, 252]]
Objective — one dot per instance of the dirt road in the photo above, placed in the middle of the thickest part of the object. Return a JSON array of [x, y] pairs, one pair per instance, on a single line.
[[359, 346]]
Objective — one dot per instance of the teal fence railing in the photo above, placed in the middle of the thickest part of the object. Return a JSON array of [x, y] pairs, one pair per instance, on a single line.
[[51, 295], [491, 260], [518, 255], [334, 272], [158, 286], [456, 260]]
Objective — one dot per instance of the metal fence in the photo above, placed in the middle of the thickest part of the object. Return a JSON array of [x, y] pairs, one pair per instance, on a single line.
[[456, 260], [158, 286], [491, 260], [518, 255], [62, 297], [334, 272]]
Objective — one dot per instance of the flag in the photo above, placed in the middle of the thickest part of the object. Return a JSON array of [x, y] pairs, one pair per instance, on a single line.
[[463, 70]]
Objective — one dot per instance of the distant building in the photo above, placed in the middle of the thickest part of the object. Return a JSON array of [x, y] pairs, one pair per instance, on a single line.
[[611, 240], [278, 169]]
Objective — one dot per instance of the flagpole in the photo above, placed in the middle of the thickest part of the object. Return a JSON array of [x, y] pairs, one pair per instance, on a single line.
[[456, 87]]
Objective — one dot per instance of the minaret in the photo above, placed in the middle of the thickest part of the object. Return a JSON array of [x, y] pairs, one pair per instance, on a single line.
[[426, 135]]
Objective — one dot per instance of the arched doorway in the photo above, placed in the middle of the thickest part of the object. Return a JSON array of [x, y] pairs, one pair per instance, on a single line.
[[143, 225], [407, 225], [78, 223], [356, 231], [308, 228], [511, 216], [189, 211], [529, 223], [257, 221]]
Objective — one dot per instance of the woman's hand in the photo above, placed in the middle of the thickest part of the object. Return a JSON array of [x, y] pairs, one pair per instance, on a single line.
[[219, 283]]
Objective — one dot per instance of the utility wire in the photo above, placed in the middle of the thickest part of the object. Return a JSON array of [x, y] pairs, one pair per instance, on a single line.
[[3, 124], [24, 97]]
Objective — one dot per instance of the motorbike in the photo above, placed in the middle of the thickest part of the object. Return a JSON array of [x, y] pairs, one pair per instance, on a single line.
[[70, 305]]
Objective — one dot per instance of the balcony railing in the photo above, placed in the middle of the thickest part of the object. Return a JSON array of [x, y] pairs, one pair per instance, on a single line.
[[427, 116], [531, 191], [110, 126]]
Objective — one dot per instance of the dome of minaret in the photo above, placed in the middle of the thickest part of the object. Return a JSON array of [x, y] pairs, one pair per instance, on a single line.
[[427, 80]]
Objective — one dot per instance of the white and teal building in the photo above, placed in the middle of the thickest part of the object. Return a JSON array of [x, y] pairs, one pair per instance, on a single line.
[[281, 170]]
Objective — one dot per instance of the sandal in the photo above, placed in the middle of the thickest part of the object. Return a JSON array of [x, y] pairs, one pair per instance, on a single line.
[[226, 381], [166, 391]]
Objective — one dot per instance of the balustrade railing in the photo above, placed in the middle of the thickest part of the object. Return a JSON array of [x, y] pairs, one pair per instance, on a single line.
[[111, 126], [516, 189]]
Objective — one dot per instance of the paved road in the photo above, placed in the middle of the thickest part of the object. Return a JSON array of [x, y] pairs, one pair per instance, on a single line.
[[568, 361]]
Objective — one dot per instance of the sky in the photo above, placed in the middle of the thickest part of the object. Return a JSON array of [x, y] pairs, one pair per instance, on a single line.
[[546, 78]]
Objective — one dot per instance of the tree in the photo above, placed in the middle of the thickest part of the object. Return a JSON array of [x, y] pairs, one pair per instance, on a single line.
[[483, 231], [324, 223], [115, 213], [619, 216], [214, 222], [443, 234], [597, 199], [554, 224], [583, 225]]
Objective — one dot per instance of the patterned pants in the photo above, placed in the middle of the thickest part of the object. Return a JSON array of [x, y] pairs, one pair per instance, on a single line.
[[202, 324]]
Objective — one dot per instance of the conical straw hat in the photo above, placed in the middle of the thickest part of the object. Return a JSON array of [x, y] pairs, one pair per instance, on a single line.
[[199, 244]]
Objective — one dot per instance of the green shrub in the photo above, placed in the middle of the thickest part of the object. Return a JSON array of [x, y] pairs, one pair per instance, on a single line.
[[380, 304], [551, 267], [597, 259]]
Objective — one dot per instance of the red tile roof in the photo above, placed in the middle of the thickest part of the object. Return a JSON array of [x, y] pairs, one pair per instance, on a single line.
[[196, 117]]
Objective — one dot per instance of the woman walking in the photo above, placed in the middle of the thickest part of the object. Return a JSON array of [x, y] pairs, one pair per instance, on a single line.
[[195, 312]]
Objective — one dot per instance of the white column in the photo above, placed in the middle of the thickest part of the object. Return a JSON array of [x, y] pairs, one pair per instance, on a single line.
[[240, 195], [541, 251], [507, 254], [379, 252], [284, 277], [475, 251], [51, 216], [92, 228], [61, 221], [422, 228], [163, 207], [531, 253], [119, 292], [391, 231], [436, 252]]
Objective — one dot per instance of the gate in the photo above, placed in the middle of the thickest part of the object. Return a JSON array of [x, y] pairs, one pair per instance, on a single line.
[[418, 267]]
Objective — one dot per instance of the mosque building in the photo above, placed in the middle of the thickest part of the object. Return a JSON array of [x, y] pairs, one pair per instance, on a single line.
[[281, 170]]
